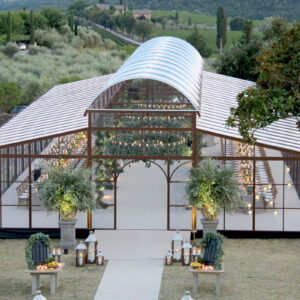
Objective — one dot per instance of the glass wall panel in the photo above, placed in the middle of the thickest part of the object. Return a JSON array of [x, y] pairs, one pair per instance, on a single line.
[[15, 216], [240, 219], [291, 219], [269, 197], [178, 194], [180, 170], [269, 219], [211, 146], [43, 219], [103, 218], [292, 196], [81, 220], [180, 218]]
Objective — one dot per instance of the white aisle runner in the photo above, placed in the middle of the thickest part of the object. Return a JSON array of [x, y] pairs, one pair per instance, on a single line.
[[136, 259]]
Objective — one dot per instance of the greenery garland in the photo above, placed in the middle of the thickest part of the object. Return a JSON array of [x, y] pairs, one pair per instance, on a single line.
[[30, 242], [220, 252]]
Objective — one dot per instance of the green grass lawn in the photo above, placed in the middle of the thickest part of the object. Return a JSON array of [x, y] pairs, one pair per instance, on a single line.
[[196, 18], [210, 36], [74, 283], [254, 269]]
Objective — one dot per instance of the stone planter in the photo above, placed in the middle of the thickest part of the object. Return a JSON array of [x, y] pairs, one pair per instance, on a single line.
[[67, 234], [209, 226]]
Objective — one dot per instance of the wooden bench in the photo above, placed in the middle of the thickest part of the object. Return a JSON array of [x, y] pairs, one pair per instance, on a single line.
[[218, 274], [35, 279]]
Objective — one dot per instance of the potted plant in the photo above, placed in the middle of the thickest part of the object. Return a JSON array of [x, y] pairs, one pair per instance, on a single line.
[[67, 191], [211, 188]]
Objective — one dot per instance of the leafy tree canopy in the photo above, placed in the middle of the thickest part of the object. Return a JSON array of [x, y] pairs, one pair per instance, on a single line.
[[199, 42], [55, 18], [10, 96], [276, 95]]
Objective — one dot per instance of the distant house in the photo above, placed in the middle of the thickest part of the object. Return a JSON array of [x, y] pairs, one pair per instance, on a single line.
[[137, 13], [142, 14]]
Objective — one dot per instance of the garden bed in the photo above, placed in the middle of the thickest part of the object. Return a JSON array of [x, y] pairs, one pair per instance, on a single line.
[[75, 283], [254, 269]]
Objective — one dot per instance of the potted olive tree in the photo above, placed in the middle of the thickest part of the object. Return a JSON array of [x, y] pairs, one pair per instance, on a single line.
[[67, 191], [211, 188]]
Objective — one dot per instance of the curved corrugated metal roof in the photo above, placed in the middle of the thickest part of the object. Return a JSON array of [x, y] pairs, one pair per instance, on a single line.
[[166, 59]]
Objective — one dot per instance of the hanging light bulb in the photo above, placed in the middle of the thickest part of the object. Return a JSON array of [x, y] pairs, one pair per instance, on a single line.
[[275, 213], [289, 184], [249, 212], [287, 169]]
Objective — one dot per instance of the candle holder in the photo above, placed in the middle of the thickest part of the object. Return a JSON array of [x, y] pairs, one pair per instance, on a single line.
[[80, 254], [58, 254], [169, 258], [186, 253], [53, 253], [100, 258]]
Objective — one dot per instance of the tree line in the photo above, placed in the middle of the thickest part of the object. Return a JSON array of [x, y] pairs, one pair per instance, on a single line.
[[124, 22], [25, 22]]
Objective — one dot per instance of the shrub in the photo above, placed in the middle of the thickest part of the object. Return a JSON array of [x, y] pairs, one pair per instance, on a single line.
[[69, 79], [35, 50], [67, 191], [11, 49], [212, 188], [77, 42], [109, 44]]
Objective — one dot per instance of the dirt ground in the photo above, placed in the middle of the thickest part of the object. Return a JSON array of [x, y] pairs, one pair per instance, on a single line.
[[254, 269], [75, 283]]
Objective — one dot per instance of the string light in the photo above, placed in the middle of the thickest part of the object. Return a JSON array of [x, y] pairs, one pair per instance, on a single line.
[[275, 213]]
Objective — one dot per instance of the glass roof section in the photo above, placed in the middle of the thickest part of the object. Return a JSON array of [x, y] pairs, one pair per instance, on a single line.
[[166, 59]]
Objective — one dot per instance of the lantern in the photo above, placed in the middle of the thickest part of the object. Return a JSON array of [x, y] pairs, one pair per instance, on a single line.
[[177, 243], [100, 258], [194, 254], [169, 258], [186, 253], [91, 245], [187, 296], [39, 296], [80, 254]]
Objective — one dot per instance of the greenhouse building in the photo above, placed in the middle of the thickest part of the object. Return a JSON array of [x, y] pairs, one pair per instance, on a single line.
[[141, 130]]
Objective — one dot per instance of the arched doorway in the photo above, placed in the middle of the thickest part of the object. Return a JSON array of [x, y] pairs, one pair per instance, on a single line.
[[142, 197]]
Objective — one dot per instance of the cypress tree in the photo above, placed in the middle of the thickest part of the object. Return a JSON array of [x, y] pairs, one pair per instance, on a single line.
[[71, 21], [221, 29], [31, 28], [76, 27], [9, 27]]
